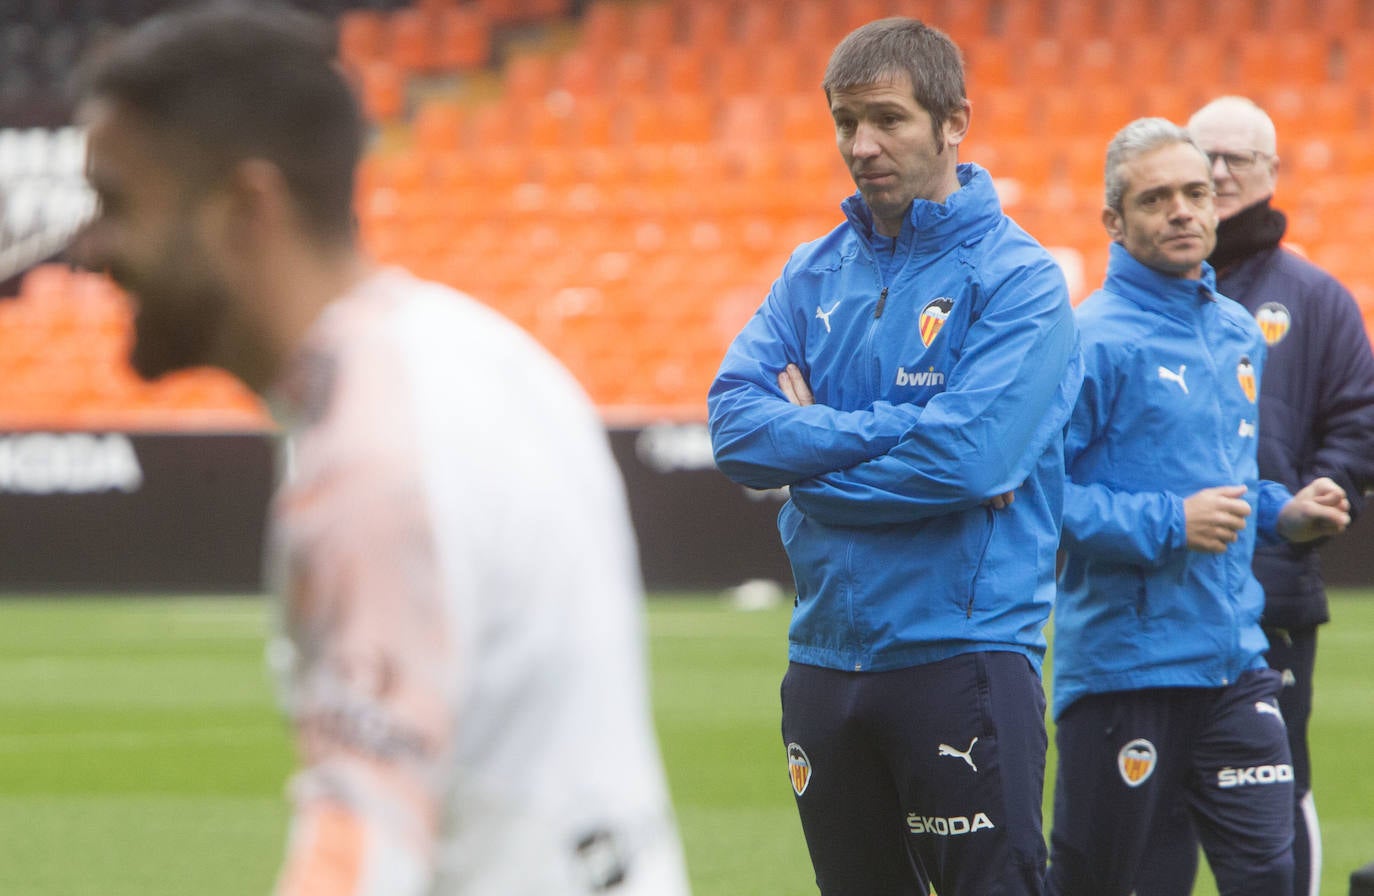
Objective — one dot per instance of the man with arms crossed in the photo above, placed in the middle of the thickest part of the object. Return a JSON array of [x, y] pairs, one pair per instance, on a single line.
[[909, 377], [1316, 418], [460, 644], [1161, 691]]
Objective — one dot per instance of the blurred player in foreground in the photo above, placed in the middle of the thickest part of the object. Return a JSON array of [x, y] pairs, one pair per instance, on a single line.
[[1316, 419], [909, 377], [1161, 691], [461, 643]]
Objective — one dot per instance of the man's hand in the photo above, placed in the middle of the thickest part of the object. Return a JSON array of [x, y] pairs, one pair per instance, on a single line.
[[1319, 509], [1002, 500], [794, 386], [1214, 516]]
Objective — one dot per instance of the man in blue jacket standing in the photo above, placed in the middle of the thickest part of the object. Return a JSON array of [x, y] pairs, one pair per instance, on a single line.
[[908, 378], [1316, 418], [1161, 690]]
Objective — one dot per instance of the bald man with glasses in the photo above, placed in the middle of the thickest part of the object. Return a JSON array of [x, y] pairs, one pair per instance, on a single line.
[[1316, 419]]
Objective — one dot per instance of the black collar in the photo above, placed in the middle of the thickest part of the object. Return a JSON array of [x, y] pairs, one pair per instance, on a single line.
[[1252, 229]]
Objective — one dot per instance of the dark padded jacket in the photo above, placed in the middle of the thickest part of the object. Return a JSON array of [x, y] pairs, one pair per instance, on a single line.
[[1316, 407]]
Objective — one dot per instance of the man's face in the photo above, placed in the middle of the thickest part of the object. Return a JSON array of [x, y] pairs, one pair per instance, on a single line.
[[1168, 220], [150, 235], [886, 140], [1253, 172]]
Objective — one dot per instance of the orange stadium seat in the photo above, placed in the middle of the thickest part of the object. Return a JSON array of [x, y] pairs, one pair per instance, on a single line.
[[1018, 22], [708, 23], [528, 77], [433, 7], [965, 22], [582, 73], [653, 27], [540, 124], [631, 73], [1004, 113], [382, 88], [732, 71], [1265, 59], [813, 24], [1239, 16], [1095, 62], [683, 69], [463, 38], [1182, 18], [804, 121], [592, 123], [781, 70], [605, 27], [761, 23], [1148, 62], [1175, 102], [1284, 16], [1074, 21], [1127, 21], [411, 44], [547, 9], [1044, 62], [1206, 58], [988, 63], [854, 13], [362, 36], [1354, 55], [1338, 18], [437, 128]]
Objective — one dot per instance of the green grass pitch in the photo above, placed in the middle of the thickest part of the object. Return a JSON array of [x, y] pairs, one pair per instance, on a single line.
[[141, 751]]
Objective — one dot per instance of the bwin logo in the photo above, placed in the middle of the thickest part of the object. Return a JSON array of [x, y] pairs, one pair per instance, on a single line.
[[1258, 774], [930, 377], [948, 827]]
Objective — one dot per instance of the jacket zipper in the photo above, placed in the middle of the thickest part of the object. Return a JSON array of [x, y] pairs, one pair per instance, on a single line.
[[882, 302], [1225, 558], [982, 555]]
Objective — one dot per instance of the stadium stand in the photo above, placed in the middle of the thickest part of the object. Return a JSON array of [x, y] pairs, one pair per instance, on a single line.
[[626, 177]]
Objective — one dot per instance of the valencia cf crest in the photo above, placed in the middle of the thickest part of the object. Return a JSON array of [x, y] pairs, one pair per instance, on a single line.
[[933, 317], [799, 767], [1274, 321], [1245, 372], [1137, 761]]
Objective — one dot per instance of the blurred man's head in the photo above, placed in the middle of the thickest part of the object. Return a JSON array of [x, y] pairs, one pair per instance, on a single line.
[[896, 92], [209, 132], [1239, 139], [1159, 198]]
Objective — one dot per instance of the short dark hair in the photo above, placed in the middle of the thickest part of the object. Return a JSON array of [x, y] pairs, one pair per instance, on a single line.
[[241, 81], [885, 47]]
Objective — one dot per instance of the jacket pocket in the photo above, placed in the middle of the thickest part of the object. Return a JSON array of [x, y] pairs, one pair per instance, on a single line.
[[989, 528]]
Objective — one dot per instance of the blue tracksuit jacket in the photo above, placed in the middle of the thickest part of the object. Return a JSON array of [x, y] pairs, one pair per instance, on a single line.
[[1168, 407], [938, 385]]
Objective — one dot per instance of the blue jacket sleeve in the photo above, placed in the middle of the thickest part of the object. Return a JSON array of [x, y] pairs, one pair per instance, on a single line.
[[1272, 497], [760, 439], [1008, 396], [1143, 528]]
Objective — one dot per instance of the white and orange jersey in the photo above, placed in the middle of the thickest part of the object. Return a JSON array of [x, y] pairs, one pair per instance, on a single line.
[[461, 634]]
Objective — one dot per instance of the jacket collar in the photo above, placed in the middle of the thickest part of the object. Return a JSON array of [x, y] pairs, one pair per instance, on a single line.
[[966, 213], [1149, 288]]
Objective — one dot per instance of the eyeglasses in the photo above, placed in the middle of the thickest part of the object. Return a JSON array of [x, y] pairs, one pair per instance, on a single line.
[[1237, 162]]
